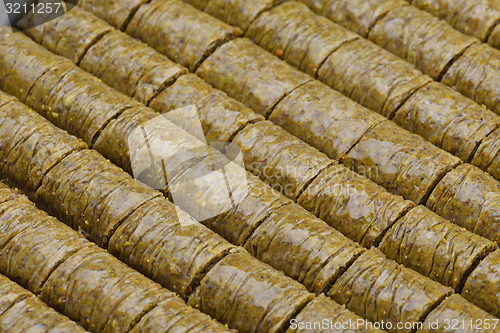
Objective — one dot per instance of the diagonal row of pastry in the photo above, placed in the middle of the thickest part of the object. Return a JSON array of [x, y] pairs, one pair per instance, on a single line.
[[268, 225]]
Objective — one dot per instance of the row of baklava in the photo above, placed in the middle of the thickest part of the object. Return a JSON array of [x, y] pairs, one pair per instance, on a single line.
[[144, 230], [22, 311], [407, 165], [378, 80], [182, 89], [478, 18], [430, 44], [75, 277], [369, 75]]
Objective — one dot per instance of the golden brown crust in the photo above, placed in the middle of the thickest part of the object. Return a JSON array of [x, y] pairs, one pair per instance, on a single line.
[[31, 314], [487, 157], [356, 15], [324, 118], [100, 292], [297, 35], [6, 98], [423, 40], [305, 248], [90, 286], [131, 66], [66, 95], [482, 286], [33, 244], [494, 39], [30, 146], [7, 194], [10, 294], [240, 284], [240, 13], [181, 32], [372, 76], [173, 315], [38, 244], [137, 21], [9, 211], [447, 119], [22, 63], [117, 12], [434, 247], [356, 206], [160, 151], [402, 162], [476, 74], [221, 116], [63, 38], [168, 246], [472, 17], [379, 289], [21, 311], [83, 105], [113, 142], [225, 197], [40, 93], [104, 198], [470, 198], [286, 163], [251, 75]]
